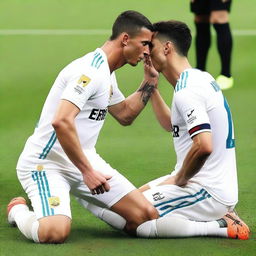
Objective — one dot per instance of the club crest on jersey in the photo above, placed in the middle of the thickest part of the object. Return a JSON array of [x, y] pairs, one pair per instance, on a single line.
[[39, 167], [84, 80], [54, 201]]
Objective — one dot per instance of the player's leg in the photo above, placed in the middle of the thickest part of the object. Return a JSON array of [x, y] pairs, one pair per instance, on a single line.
[[200, 8], [219, 17], [176, 225], [191, 211], [18, 214], [123, 198], [130, 210], [50, 220], [108, 216], [135, 209]]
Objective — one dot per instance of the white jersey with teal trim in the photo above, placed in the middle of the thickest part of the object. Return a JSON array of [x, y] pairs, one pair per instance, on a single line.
[[199, 106], [87, 83]]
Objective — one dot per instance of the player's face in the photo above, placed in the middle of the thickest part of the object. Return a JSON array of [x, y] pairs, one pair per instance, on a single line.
[[137, 46], [157, 54]]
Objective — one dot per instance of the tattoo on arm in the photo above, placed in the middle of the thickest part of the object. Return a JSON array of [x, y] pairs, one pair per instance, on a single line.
[[146, 91]]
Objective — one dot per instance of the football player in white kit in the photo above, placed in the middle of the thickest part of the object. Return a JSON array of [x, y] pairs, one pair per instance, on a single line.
[[198, 197], [203, 185], [59, 161], [60, 157]]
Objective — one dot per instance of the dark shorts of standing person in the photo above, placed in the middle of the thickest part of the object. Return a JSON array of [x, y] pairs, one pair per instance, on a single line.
[[207, 6]]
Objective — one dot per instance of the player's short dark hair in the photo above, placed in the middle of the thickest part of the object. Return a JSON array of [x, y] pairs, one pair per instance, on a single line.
[[177, 32], [130, 22]]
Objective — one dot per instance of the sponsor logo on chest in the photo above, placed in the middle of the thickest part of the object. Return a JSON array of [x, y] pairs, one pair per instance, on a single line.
[[98, 114]]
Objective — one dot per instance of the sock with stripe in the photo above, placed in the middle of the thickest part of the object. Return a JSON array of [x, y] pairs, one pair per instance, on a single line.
[[26, 221], [178, 226]]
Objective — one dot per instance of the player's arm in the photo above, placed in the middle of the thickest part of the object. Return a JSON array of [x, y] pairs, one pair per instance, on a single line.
[[126, 111], [161, 110], [64, 125], [194, 160]]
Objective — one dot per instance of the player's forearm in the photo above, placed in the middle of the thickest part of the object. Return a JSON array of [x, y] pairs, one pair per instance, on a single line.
[[68, 138], [192, 164], [136, 102], [161, 110]]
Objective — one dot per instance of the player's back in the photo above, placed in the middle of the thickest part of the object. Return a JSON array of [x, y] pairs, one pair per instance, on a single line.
[[207, 111]]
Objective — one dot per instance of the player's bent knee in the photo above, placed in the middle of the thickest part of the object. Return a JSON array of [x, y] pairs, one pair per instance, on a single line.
[[146, 213], [54, 229]]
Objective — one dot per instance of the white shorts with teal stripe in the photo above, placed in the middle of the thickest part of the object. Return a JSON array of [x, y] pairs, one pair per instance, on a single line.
[[191, 201], [49, 189]]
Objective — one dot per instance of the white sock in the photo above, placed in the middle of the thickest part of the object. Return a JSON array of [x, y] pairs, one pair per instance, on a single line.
[[110, 217], [177, 226], [169, 226], [26, 221]]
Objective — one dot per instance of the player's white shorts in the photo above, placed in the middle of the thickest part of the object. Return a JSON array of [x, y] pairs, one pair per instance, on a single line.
[[49, 190], [191, 201]]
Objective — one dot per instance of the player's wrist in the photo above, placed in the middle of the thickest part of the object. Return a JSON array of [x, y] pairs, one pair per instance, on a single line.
[[180, 181]]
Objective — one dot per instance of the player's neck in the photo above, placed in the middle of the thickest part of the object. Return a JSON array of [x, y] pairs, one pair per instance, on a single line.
[[113, 51], [174, 68]]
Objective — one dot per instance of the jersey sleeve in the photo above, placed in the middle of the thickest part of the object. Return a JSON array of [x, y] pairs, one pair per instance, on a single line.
[[80, 87], [192, 108], [116, 94]]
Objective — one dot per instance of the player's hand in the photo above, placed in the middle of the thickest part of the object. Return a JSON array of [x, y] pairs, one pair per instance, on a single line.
[[96, 182], [150, 73], [174, 180]]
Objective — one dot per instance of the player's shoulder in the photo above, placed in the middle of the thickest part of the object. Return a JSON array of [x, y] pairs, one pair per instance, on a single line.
[[89, 65], [193, 80], [85, 62], [187, 79]]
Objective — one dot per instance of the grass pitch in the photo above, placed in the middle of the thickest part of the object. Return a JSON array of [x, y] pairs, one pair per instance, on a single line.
[[30, 63]]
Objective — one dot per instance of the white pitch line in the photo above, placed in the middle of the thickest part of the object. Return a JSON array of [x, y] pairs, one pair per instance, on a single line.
[[54, 32], [64, 32]]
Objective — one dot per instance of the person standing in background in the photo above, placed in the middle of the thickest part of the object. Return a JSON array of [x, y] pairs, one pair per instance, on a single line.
[[215, 12]]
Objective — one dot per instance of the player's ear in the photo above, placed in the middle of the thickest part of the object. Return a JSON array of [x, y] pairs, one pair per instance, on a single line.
[[125, 38], [168, 47]]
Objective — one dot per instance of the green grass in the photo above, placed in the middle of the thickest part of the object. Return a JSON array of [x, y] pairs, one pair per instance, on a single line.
[[28, 67]]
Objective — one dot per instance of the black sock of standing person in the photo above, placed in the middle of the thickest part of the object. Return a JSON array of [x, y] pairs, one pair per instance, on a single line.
[[224, 43], [203, 42]]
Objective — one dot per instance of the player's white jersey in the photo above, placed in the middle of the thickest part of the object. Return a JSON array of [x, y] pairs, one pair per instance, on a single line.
[[199, 106], [87, 83]]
